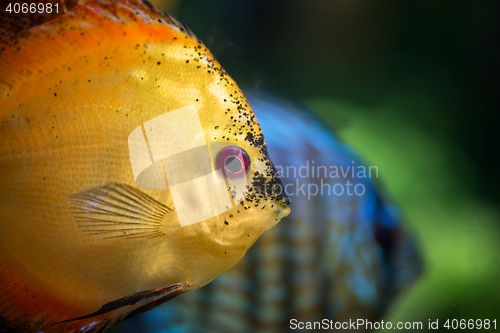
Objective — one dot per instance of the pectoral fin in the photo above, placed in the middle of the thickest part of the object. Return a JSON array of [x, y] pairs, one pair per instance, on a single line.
[[117, 211]]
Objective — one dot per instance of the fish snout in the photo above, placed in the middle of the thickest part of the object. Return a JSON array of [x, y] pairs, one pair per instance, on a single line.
[[284, 202], [274, 190], [284, 211], [281, 196]]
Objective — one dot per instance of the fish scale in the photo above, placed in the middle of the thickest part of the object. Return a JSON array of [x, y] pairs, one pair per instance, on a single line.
[[324, 261]]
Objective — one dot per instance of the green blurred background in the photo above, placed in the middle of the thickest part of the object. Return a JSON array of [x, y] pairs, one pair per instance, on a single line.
[[410, 84]]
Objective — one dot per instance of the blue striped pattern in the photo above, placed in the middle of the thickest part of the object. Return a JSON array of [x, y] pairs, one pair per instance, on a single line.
[[339, 257]]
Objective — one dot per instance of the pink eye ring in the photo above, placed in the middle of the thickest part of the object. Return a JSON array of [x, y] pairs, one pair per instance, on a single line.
[[232, 162]]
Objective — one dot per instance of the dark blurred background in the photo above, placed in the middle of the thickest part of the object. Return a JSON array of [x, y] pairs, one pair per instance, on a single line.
[[366, 52], [413, 86]]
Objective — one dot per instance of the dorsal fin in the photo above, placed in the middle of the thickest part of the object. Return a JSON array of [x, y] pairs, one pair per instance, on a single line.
[[132, 10]]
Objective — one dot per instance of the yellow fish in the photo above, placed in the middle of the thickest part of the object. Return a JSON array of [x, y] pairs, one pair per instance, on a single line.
[[132, 168]]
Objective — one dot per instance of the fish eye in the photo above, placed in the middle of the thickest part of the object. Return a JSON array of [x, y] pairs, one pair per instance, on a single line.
[[232, 162]]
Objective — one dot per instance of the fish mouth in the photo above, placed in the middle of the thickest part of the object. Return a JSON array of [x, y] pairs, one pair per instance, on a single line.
[[283, 200], [279, 211], [283, 203], [277, 199], [284, 211]]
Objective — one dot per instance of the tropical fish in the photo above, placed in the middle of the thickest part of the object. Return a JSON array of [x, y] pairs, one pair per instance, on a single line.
[[132, 169], [339, 256]]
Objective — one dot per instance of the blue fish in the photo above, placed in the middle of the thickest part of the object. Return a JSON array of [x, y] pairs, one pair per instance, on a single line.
[[342, 254]]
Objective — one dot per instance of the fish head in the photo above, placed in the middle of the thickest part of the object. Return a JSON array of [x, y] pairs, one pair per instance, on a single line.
[[210, 158], [240, 158], [204, 145]]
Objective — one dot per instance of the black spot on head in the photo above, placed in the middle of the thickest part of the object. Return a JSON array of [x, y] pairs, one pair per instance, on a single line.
[[269, 187], [255, 140]]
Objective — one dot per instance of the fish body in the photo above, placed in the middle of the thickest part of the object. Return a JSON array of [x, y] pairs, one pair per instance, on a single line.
[[132, 168], [339, 256]]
